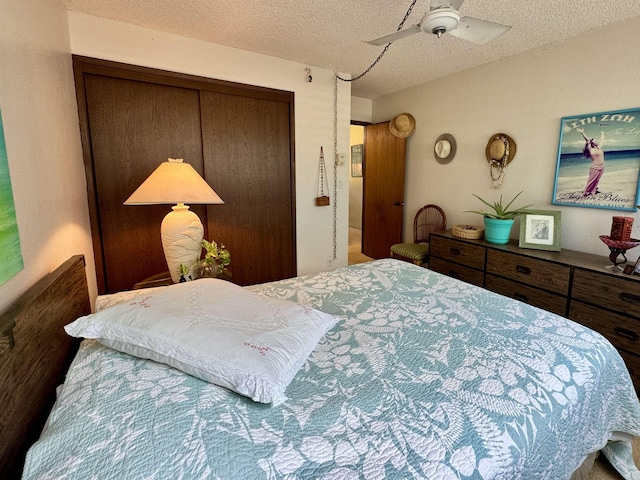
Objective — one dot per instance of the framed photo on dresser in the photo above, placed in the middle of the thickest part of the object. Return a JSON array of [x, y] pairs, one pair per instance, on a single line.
[[635, 269], [540, 229]]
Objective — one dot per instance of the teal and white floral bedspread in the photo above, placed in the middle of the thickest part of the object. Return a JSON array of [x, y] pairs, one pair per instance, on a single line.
[[423, 377]]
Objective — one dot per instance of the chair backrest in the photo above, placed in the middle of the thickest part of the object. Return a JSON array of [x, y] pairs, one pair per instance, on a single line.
[[430, 218]]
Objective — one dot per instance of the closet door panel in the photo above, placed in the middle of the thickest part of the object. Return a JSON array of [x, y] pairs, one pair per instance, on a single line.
[[248, 161], [134, 127]]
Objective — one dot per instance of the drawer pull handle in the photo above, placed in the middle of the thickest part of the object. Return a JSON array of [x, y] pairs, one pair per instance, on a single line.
[[454, 251], [630, 298], [522, 298], [628, 334], [523, 269], [454, 274]]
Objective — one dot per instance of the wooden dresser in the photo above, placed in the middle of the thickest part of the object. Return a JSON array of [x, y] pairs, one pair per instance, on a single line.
[[572, 284]]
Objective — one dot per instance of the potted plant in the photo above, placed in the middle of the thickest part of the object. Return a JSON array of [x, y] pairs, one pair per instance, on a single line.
[[216, 259], [498, 223]]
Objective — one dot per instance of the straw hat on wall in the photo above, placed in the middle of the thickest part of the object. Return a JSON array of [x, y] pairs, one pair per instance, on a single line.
[[445, 148], [500, 150], [403, 125], [500, 147]]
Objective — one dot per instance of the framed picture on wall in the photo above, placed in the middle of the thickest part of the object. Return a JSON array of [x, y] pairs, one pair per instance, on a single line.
[[599, 160], [356, 160], [11, 257], [540, 229]]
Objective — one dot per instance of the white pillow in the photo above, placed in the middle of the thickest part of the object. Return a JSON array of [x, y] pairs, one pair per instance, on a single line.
[[111, 299], [213, 330]]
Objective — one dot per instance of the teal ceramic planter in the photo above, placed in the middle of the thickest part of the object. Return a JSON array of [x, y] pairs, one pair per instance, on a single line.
[[497, 231]]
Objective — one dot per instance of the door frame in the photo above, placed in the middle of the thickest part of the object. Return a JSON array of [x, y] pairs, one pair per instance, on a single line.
[[364, 155]]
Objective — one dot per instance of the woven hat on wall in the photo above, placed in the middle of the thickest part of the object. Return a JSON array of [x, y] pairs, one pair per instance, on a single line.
[[403, 125], [445, 148], [500, 147]]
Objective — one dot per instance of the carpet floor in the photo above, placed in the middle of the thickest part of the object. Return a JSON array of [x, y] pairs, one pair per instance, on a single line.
[[355, 247]]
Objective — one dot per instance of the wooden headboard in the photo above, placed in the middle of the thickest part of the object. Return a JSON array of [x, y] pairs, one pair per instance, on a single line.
[[35, 353]]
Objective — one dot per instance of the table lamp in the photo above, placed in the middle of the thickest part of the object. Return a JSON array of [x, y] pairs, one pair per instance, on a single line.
[[177, 182]]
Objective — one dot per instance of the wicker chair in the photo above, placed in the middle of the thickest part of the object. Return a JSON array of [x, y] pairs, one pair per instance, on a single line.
[[430, 218]]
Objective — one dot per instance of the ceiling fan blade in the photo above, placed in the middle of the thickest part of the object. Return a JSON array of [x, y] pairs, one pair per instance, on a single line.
[[452, 4], [395, 36], [478, 31]]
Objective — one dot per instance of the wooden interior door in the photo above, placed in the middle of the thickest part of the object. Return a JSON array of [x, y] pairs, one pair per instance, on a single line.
[[135, 126], [383, 190], [247, 156]]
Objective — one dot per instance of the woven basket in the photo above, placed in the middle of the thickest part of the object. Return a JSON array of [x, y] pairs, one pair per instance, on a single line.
[[472, 232]]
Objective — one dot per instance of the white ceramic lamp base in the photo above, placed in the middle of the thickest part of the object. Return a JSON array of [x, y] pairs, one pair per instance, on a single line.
[[182, 234]]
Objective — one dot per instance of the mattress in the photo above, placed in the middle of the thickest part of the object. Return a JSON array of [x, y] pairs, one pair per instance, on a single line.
[[423, 376]]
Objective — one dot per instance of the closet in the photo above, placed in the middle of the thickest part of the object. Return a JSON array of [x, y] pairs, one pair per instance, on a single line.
[[238, 137]]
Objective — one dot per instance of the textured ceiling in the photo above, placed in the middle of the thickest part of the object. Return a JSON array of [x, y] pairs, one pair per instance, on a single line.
[[330, 33]]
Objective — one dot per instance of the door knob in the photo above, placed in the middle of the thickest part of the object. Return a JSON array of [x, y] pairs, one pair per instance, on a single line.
[[399, 204]]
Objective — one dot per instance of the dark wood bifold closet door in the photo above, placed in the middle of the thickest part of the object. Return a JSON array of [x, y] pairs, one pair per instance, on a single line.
[[238, 137], [135, 126], [247, 161]]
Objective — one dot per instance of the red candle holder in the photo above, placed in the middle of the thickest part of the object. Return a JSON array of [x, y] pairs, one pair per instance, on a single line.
[[617, 248]]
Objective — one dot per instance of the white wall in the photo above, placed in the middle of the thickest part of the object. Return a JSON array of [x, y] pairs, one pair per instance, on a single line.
[[314, 125], [361, 109], [37, 98], [524, 96]]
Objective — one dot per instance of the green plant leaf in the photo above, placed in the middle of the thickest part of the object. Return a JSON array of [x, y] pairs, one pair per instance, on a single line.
[[500, 211]]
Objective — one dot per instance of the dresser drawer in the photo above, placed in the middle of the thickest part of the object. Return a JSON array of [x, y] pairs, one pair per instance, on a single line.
[[456, 251], [616, 293], [623, 332], [534, 272], [455, 270], [548, 301]]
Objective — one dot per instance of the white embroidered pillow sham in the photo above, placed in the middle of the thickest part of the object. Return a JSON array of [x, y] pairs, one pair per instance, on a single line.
[[214, 330]]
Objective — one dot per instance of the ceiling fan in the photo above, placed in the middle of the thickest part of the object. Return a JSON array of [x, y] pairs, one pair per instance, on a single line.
[[443, 17]]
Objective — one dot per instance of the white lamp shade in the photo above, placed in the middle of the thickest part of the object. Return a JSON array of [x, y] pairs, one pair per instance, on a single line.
[[175, 182]]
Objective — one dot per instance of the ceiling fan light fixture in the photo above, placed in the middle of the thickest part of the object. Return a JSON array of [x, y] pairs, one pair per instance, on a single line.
[[443, 17], [440, 21]]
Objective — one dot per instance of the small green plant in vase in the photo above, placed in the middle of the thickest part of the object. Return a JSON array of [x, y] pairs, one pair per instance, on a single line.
[[500, 211], [499, 221], [216, 259]]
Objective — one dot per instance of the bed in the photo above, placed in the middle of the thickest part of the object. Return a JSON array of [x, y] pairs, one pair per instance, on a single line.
[[418, 376], [34, 354]]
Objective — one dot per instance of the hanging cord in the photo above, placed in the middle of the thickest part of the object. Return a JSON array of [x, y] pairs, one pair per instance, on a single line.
[[358, 77], [335, 130], [335, 168]]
